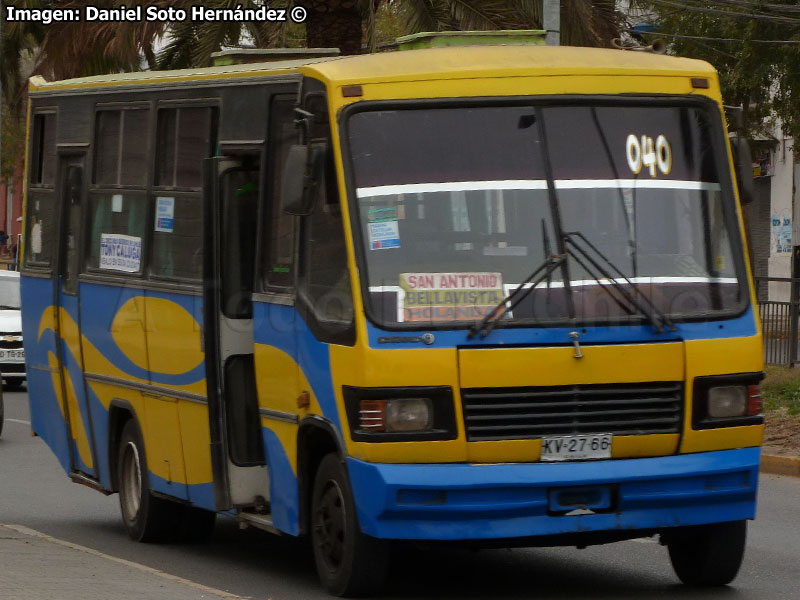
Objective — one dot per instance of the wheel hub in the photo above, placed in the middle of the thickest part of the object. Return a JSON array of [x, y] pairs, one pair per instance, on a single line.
[[329, 525], [130, 481]]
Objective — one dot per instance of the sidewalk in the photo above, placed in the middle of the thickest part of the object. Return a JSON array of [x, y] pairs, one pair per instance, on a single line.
[[35, 566], [780, 465]]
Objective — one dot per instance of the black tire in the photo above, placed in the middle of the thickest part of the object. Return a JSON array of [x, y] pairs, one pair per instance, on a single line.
[[146, 518], [708, 555], [194, 524], [349, 563]]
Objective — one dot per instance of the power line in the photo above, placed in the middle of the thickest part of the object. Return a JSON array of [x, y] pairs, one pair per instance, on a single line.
[[714, 39], [732, 14], [760, 6]]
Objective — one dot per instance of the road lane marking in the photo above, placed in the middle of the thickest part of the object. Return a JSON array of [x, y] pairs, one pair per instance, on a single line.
[[134, 565]]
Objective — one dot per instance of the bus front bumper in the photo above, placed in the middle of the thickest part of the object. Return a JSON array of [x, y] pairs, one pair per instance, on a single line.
[[497, 501]]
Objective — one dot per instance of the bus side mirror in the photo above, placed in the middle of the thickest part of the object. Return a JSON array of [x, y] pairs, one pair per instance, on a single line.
[[743, 165], [303, 177]]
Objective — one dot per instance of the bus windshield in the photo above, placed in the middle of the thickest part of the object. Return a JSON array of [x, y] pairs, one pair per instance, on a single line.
[[457, 205]]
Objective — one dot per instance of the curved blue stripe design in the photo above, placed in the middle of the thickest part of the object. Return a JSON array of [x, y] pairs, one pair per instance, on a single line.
[[284, 498], [103, 303], [282, 327]]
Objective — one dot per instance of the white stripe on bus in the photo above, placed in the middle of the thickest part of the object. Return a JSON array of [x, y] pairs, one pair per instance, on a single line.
[[534, 184]]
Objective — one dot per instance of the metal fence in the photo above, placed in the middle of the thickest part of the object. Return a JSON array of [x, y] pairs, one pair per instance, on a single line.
[[779, 309]]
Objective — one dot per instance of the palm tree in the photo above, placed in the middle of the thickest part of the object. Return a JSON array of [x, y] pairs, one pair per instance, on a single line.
[[70, 49], [344, 24]]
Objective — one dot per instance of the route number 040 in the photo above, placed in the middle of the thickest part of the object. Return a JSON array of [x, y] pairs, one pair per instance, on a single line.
[[644, 152]]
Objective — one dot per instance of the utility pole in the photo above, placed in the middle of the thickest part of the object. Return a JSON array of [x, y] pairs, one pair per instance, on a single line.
[[551, 22]]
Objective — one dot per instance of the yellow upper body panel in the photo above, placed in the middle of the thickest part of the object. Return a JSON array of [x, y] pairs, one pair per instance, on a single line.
[[473, 62]]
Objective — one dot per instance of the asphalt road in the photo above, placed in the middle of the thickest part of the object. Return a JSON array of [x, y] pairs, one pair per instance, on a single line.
[[36, 493]]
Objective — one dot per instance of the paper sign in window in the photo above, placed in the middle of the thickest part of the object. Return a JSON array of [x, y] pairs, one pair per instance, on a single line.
[[165, 214], [120, 252], [450, 296]]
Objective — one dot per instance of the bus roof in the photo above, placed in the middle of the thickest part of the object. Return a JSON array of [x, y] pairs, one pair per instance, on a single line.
[[415, 65]]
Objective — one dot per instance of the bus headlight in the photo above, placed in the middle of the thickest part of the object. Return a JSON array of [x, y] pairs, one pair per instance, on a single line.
[[727, 401], [409, 414], [400, 414]]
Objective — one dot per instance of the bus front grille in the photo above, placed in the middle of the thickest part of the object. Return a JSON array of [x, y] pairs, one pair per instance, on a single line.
[[534, 412]]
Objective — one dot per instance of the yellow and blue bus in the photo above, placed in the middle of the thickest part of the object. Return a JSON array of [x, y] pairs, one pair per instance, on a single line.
[[496, 295]]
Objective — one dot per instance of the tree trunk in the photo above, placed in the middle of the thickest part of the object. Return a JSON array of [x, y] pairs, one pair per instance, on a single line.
[[334, 27]]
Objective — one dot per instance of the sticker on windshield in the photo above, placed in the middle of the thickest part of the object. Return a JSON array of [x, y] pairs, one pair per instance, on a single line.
[[450, 296], [384, 234], [379, 214]]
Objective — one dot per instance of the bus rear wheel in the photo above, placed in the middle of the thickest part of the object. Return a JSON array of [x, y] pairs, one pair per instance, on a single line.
[[707, 555], [349, 563], [146, 518]]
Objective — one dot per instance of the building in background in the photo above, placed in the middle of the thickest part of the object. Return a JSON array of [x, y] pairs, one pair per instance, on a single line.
[[11, 204]]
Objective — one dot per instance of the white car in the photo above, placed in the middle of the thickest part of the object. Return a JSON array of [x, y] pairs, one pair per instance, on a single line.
[[12, 354]]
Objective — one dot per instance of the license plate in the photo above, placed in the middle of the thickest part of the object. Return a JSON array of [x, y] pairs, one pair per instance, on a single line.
[[12, 355], [576, 447]]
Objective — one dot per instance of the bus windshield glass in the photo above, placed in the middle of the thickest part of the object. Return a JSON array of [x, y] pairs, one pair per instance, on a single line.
[[457, 206]]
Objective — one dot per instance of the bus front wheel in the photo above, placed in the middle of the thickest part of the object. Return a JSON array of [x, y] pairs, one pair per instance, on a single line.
[[349, 562], [146, 517], [707, 555]]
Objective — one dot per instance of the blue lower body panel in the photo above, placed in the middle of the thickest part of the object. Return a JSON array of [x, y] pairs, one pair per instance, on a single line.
[[466, 501]]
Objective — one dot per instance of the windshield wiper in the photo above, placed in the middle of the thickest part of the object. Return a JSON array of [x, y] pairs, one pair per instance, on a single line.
[[5, 307], [657, 318], [492, 318]]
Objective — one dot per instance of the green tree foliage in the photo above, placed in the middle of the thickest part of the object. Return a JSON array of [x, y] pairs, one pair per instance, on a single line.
[[12, 141], [750, 45]]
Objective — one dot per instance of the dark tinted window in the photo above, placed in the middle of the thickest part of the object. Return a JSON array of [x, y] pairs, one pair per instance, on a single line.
[[326, 280], [186, 136], [39, 229], [177, 236], [280, 228], [121, 148], [43, 160], [116, 229]]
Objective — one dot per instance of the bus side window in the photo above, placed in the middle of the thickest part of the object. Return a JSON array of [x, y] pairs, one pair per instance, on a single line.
[[40, 220], [120, 156], [39, 230], [117, 212], [185, 136], [116, 228], [279, 228], [325, 277], [43, 159]]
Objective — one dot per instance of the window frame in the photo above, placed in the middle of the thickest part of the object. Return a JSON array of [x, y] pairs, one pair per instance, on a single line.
[[120, 107], [94, 188], [35, 155], [154, 190], [40, 189], [284, 294]]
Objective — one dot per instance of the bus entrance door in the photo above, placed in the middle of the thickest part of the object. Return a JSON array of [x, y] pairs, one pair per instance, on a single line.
[[230, 204], [72, 392]]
